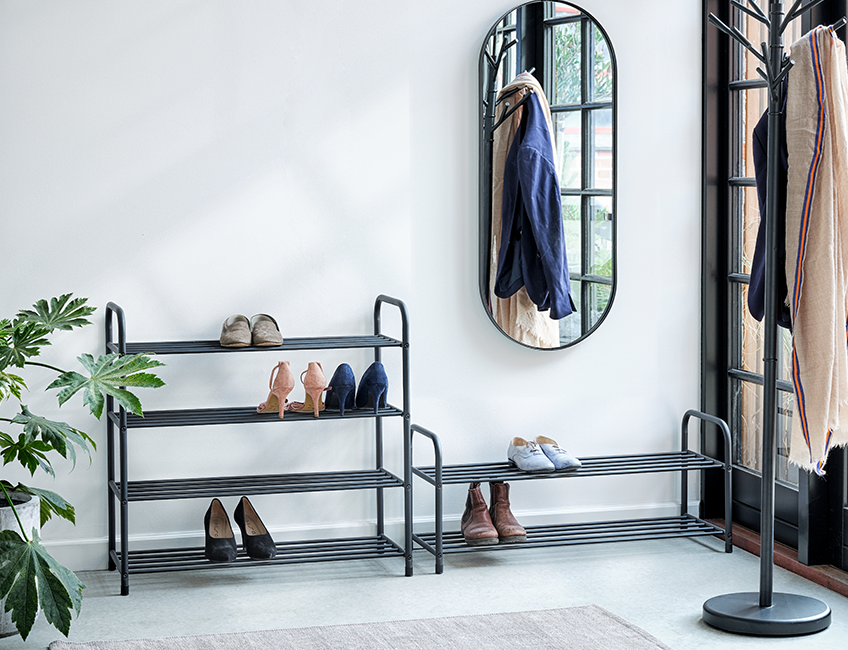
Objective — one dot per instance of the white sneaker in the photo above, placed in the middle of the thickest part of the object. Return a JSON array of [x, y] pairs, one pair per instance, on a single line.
[[528, 457], [558, 456]]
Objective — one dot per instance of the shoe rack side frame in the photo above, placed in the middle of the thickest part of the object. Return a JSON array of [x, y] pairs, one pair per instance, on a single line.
[[438, 543], [121, 491]]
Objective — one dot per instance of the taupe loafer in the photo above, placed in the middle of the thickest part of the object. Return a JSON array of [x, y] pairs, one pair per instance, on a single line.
[[236, 332], [265, 330]]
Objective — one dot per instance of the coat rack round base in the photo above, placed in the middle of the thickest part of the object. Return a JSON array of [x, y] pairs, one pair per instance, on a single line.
[[789, 614]]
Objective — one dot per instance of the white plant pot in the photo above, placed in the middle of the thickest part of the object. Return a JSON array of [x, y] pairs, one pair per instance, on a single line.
[[29, 510]]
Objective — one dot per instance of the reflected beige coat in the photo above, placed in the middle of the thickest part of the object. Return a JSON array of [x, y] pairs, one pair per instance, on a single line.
[[516, 315]]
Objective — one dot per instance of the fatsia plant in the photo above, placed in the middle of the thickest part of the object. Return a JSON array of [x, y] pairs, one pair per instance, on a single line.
[[30, 579]]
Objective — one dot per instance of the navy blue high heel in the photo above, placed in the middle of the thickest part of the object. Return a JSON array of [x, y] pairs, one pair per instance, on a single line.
[[341, 392], [373, 388]]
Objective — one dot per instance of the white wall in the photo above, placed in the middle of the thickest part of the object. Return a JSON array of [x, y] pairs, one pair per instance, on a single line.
[[190, 160]]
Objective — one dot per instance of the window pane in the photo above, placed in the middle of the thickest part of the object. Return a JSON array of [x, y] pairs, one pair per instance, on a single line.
[[571, 227], [598, 301], [752, 341], [600, 208], [568, 143], [748, 208], [567, 63], [561, 10], [602, 90], [749, 437], [602, 146], [750, 106], [569, 327]]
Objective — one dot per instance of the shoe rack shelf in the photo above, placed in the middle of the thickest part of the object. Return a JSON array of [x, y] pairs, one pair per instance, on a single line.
[[439, 541], [122, 491]]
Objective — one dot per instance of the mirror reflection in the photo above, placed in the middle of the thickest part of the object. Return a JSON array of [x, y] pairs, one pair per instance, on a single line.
[[547, 174]]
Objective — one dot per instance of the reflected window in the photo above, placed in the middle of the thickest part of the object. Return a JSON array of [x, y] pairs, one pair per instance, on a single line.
[[580, 74]]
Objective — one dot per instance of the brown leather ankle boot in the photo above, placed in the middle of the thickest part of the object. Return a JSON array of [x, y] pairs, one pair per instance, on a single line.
[[477, 528], [509, 530]]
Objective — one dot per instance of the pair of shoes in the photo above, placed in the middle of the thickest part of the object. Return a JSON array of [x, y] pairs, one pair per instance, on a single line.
[[281, 384], [372, 392], [220, 540], [484, 527], [239, 332], [539, 455]]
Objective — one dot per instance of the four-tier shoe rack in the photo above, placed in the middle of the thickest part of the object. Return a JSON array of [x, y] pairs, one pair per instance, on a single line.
[[122, 491]]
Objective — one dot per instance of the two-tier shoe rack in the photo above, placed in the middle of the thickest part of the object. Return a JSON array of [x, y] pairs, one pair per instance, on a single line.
[[123, 491], [685, 460]]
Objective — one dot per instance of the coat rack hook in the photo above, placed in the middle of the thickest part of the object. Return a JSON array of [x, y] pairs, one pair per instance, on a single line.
[[796, 11], [736, 35], [758, 9], [839, 24], [758, 15], [504, 47], [509, 110]]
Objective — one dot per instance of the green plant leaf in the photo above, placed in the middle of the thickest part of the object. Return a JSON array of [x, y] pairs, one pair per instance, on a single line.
[[55, 434], [50, 502], [61, 313], [109, 374], [10, 385], [24, 341], [30, 579], [29, 452]]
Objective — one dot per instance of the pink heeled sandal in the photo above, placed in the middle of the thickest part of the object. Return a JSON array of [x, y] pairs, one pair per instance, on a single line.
[[281, 385], [315, 382]]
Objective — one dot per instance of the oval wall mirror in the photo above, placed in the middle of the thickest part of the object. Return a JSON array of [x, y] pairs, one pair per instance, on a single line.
[[547, 174]]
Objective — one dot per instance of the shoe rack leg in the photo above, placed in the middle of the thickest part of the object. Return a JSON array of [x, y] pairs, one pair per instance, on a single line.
[[125, 572], [110, 480]]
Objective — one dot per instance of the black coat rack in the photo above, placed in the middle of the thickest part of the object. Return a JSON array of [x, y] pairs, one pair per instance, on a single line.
[[767, 613]]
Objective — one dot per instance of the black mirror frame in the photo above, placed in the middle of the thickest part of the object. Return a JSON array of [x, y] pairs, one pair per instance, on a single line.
[[489, 62]]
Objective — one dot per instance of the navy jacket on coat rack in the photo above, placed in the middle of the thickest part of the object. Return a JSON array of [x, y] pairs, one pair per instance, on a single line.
[[532, 250], [756, 288]]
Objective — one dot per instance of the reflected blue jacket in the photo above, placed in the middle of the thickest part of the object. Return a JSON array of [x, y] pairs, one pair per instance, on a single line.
[[532, 252]]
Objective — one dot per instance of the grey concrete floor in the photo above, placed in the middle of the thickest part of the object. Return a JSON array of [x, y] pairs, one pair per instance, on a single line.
[[658, 585]]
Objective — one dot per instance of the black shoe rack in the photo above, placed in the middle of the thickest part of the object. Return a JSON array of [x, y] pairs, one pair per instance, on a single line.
[[438, 542], [122, 491]]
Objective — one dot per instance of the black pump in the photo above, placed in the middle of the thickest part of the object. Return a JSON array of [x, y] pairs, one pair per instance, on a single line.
[[220, 540], [254, 536]]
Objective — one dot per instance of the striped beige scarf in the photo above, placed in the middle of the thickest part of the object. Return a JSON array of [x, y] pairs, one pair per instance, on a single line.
[[817, 245]]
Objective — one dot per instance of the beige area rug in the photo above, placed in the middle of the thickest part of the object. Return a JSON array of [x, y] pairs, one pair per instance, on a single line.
[[575, 628]]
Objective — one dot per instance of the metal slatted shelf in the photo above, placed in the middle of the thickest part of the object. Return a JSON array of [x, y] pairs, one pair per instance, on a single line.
[[592, 466], [304, 343], [326, 550], [586, 533], [192, 488], [239, 415]]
